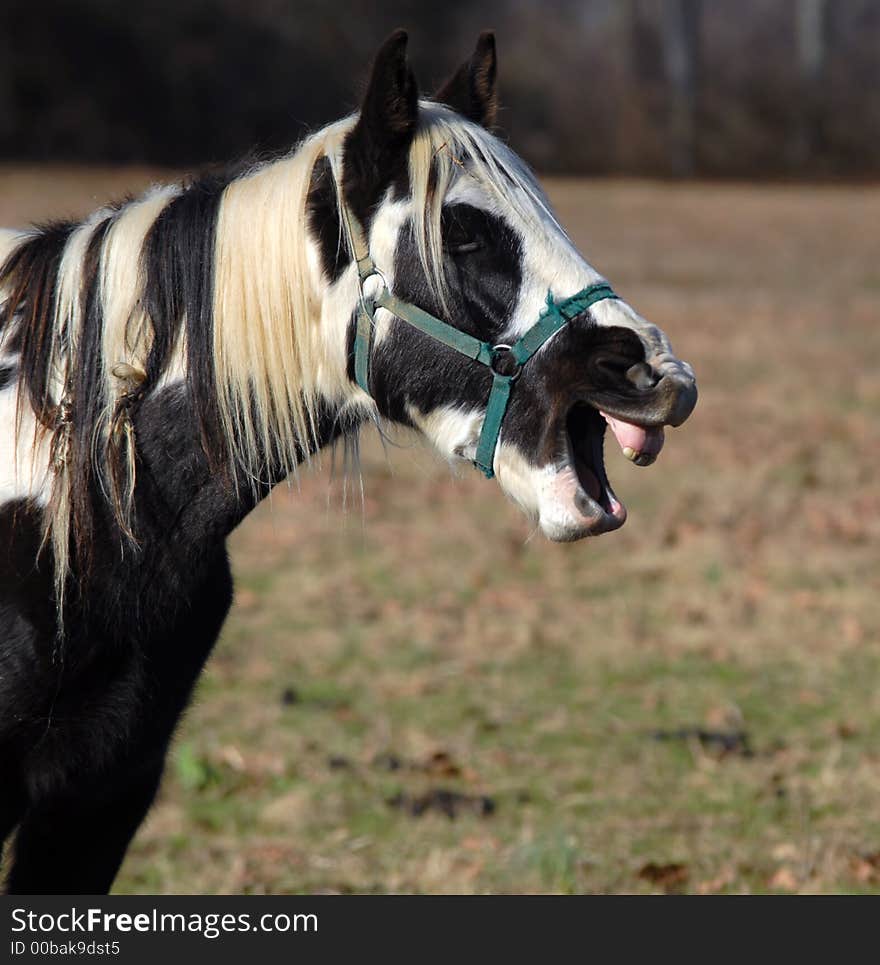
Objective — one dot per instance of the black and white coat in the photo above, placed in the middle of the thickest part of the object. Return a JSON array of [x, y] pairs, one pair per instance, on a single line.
[[168, 360]]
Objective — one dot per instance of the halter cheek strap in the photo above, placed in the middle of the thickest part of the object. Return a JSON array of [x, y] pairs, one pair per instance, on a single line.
[[504, 361]]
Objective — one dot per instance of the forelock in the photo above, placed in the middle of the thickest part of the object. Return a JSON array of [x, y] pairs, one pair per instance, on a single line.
[[452, 158]]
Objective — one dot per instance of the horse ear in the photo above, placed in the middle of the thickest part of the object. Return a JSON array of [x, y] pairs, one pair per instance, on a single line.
[[388, 118], [471, 89]]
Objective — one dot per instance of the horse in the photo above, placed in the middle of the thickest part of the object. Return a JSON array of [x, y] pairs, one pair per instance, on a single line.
[[169, 359]]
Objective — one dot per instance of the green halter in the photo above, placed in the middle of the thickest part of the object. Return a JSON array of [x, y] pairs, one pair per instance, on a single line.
[[555, 316]]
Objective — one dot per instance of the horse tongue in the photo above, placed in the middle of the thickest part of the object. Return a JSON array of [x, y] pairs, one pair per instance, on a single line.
[[639, 444]]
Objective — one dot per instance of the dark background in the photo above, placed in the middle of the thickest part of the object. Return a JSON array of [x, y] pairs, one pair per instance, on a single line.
[[734, 88]]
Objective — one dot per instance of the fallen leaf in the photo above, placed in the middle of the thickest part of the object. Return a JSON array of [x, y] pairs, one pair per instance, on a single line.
[[441, 764], [670, 876]]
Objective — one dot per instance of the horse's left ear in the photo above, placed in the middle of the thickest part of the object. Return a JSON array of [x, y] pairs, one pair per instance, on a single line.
[[471, 89], [389, 114]]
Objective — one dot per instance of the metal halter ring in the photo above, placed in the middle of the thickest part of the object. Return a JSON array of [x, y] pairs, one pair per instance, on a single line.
[[374, 271], [497, 351]]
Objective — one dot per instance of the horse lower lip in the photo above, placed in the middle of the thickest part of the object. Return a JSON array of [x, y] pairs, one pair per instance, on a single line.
[[594, 499], [587, 506], [591, 508], [599, 520]]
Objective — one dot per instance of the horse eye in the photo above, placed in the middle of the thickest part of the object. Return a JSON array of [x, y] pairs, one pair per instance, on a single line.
[[463, 247]]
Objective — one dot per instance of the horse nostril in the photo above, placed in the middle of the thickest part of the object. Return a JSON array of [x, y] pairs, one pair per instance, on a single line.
[[642, 376]]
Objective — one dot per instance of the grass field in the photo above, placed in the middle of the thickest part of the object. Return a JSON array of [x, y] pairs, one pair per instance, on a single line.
[[414, 693]]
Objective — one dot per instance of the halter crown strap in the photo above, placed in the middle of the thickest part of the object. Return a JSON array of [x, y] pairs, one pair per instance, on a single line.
[[366, 267], [555, 316]]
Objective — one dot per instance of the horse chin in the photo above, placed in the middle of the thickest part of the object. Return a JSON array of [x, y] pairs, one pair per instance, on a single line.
[[570, 498], [568, 511]]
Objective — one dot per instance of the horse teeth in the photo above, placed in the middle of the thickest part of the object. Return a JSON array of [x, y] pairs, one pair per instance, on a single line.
[[630, 453]]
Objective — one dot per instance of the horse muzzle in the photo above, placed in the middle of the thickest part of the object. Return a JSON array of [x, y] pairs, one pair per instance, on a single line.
[[577, 499], [668, 402]]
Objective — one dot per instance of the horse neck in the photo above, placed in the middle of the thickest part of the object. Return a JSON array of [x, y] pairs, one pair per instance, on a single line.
[[186, 497]]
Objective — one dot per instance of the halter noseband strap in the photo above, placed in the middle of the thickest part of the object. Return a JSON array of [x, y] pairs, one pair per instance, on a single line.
[[497, 358]]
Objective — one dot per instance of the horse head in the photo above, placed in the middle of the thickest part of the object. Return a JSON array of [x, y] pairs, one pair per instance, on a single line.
[[446, 222]]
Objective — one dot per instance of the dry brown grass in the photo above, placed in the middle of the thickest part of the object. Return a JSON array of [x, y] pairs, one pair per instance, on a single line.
[[425, 642]]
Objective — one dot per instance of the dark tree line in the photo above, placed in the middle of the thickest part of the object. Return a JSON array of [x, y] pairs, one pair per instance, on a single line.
[[680, 87]]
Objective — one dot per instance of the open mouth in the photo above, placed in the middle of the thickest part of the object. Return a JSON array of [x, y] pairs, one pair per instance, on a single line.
[[584, 452]]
